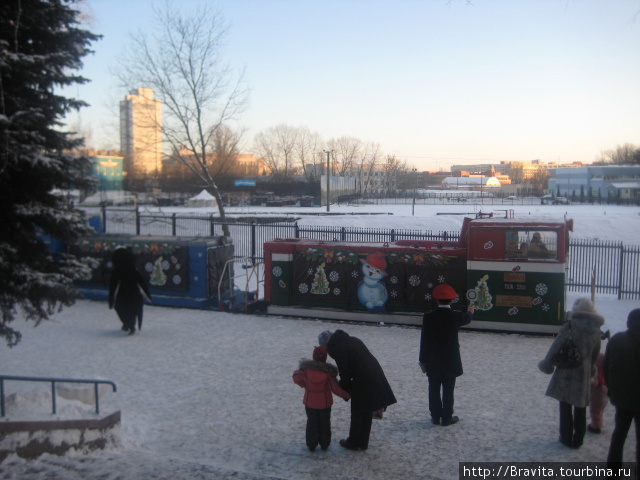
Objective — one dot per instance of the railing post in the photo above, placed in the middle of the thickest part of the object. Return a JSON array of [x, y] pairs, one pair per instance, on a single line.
[[104, 218], [620, 270], [173, 225], [211, 226], [1, 397], [53, 396], [343, 234], [95, 389], [393, 235], [253, 243], [137, 221], [296, 230]]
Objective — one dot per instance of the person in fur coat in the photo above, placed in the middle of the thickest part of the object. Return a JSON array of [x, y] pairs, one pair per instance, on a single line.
[[362, 376], [126, 290], [318, 379], [571, 386]]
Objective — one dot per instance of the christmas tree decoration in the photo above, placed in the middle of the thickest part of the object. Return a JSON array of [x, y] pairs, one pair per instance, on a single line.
[[320, 285]]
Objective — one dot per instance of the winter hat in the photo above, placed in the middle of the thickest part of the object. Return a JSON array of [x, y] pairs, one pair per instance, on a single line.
[[320, 354], [444, 292], [583, 305], [323, 338], [633, 320]]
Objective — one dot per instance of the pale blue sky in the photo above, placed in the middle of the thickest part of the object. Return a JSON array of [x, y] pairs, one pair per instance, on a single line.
[[435, 82]]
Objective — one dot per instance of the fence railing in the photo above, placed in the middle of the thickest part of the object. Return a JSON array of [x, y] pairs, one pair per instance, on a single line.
[[616, 266], [53, 382]]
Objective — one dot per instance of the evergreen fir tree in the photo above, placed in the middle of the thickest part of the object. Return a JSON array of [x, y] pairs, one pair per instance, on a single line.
[[40, 46]]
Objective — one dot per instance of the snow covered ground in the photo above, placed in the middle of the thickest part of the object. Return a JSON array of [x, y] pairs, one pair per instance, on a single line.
[[209, 395]]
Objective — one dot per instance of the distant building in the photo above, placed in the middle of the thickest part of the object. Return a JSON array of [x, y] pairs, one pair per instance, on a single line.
[[141, 133], [471, 182], [605, 181]]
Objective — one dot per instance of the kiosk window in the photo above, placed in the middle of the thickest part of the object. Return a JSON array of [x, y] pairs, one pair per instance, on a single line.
[[531, 244]]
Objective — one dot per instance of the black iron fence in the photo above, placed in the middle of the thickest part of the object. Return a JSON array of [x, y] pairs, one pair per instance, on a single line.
[[609, 266]]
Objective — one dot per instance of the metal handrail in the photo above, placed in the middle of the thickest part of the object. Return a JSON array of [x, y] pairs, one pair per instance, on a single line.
[[53, 388], [254, 266]]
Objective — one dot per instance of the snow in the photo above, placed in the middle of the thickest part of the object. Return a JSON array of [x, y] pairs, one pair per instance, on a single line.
[[209, 395]]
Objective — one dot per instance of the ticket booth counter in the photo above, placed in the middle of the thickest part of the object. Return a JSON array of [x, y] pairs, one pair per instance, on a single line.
[[516, 273]]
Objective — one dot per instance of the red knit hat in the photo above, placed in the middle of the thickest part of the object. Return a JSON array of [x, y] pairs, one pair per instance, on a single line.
[[320, 354], [444, 292], [377, 260]]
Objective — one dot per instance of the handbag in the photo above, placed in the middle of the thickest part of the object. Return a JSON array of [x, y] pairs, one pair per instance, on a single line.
[[568, 356]]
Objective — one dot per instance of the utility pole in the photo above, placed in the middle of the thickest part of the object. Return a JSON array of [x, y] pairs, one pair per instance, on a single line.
[[328, 179]]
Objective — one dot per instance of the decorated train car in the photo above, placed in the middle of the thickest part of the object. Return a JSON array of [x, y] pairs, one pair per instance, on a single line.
[[512, 271]]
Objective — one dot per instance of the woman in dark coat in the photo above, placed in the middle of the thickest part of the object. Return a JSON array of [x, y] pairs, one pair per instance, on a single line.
[[362, 376], [126, 290], [572, 386]]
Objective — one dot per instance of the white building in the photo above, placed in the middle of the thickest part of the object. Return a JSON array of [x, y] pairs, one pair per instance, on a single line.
[[141, 133]]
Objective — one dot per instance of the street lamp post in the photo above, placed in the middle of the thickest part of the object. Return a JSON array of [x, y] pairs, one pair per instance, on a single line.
[[328, 179], [413, 206]]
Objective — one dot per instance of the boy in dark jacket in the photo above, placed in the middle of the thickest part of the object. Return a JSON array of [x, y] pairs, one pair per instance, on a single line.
[[440, 353], [318, 379], [621, 372]]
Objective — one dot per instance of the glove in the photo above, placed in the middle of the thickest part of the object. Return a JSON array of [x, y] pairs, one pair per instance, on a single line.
[[422, 367]]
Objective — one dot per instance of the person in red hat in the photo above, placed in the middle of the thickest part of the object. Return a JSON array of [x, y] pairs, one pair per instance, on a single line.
[[318, 378], [440, 353]]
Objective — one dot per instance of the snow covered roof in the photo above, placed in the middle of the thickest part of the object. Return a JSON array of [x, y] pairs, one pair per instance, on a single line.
[[631, 185], [471, 181]]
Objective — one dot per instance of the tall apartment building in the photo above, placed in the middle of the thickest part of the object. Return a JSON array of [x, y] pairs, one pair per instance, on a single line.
[[141, 133]]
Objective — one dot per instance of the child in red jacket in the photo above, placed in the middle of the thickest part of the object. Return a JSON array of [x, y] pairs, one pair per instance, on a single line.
[[598, 398], [318, 379]]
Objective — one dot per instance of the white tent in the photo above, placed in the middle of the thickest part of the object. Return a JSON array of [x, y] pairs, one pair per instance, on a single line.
[[203, 199]]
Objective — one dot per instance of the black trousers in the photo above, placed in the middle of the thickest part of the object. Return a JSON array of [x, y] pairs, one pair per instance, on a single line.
[[318, 427], [360, 429], [441, 405], [573, 424], [623, 422]]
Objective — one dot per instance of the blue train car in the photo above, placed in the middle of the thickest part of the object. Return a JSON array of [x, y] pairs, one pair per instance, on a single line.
[[180, 271]]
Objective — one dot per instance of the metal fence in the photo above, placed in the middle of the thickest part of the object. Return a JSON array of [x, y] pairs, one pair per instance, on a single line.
[[611, 267]]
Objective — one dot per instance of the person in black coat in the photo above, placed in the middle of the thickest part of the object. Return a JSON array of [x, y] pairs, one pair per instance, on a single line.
[[126, 290], [621, 368], [440, 353], [362, 376]]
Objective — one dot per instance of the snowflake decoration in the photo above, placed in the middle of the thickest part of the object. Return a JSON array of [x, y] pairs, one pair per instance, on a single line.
[[355, 274], [277, 271], [177, 266], [427, 296], [394, 293], [441, 279], [310, 271], [176, 280], [430, 285], [541, 289], [303, 288], [165, 265], [336, 291], [148, 267], [545, 307], [334, 277], [394, 279], [414, 280]]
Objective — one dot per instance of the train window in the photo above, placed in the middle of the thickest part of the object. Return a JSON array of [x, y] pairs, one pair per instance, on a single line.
[[531, 244]]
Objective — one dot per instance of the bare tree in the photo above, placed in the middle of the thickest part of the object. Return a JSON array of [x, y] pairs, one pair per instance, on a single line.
[[309, 148], [370, 158], [277, 145], [346, 151], [182, 62], [626, 154]]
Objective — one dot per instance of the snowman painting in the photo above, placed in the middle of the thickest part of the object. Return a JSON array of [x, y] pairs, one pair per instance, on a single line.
[[372, 293]]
